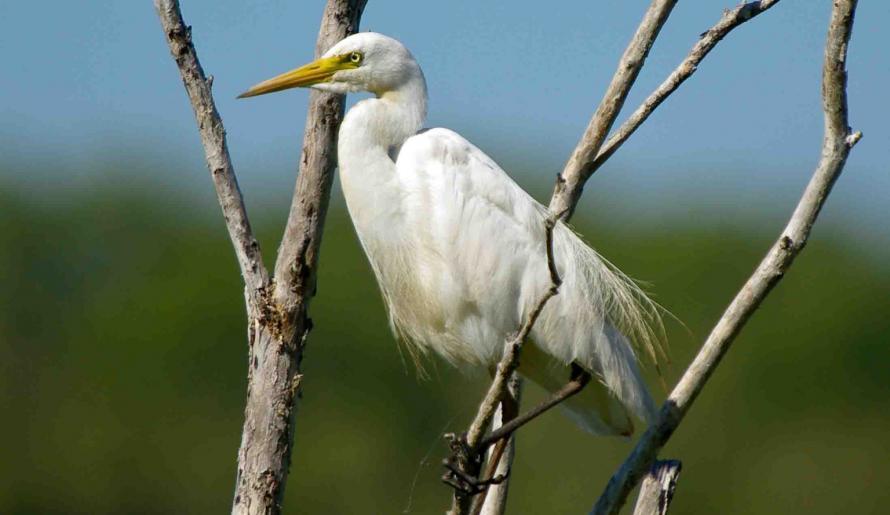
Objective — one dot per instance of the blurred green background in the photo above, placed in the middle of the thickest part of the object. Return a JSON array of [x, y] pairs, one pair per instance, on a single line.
[[123, 371], [122, 338]]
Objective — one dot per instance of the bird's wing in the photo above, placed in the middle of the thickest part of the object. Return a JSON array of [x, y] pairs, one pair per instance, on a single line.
[[473, 229], [479, 239]]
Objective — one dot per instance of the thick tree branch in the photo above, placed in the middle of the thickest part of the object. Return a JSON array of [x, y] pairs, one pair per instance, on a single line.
[[731, 19], [298, 253], [216, 150], [278, 320], [570, 182], [278, 335], [837, 143]]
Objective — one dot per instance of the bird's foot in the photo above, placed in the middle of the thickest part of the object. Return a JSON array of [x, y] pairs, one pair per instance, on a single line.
[[463, 466], [467, 483]]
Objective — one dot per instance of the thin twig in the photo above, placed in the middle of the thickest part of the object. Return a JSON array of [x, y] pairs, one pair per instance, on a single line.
[[513, 348], [731, 19], [571, 388], [216, 150], [570, 183], [501, 435], [837, 143], [462, 502]]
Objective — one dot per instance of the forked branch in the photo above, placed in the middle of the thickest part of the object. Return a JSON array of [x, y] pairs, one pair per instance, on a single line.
[[837, 143], [731, 19], [278, 320], [570, 182]]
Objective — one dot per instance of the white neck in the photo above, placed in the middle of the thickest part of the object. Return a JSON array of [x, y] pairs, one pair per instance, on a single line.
[[387, 120], [369, 141]]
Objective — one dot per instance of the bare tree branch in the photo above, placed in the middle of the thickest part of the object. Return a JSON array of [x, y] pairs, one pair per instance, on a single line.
[[294, 267], [216, 150], [837, 143], [731, 19], [570, 182], [657, 490], [278, 321], [279, 334], [575, 385]]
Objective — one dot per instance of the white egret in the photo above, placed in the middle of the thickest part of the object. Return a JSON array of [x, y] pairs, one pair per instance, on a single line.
[[458, 247]]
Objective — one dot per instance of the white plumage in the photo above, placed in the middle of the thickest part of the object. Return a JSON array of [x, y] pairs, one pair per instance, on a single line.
[[458, 247]]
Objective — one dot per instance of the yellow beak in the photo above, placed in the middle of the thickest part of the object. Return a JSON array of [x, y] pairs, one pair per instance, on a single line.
[[313, 73]]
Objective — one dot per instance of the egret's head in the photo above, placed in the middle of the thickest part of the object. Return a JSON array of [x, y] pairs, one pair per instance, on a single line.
[[362, 62]]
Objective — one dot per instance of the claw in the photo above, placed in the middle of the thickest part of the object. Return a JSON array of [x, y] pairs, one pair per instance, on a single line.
[[466, 483]]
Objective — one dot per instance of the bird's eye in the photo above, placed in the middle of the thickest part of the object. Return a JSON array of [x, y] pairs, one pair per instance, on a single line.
[[355, 57]]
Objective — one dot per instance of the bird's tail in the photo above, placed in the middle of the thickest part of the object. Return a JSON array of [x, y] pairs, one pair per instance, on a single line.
[[594, 409]]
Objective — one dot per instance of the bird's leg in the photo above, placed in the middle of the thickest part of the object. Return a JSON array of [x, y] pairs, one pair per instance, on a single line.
[[462, 478], [464, 464], [467, 482], [578, 381]]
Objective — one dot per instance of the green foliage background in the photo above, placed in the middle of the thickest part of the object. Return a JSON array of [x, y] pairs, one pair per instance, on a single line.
[[122, 370]]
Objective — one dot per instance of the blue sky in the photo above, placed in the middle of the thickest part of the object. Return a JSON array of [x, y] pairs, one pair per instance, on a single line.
[[85, 85]]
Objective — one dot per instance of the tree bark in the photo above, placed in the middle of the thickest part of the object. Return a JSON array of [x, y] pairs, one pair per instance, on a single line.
[[657, 490]]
